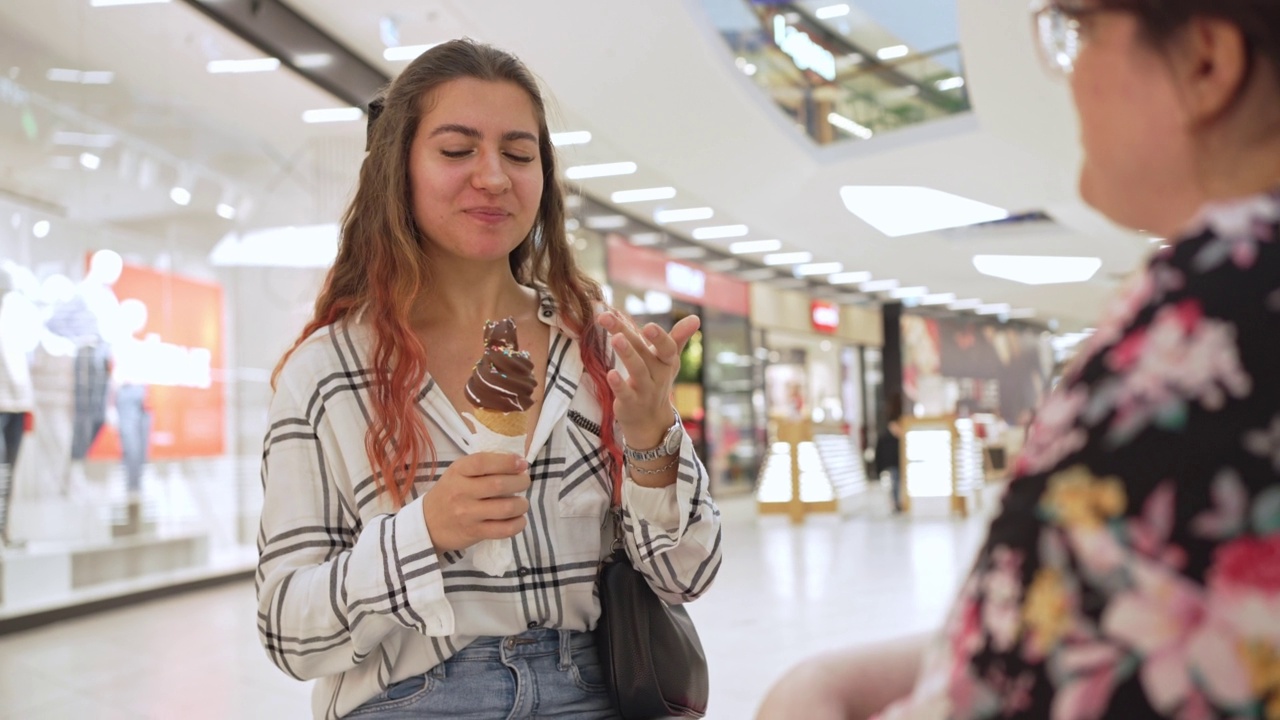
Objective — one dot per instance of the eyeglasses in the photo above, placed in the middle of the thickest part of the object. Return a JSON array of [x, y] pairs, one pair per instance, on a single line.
[[1057, 29]]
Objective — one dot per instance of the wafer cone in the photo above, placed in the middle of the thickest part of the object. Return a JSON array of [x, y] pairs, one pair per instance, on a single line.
[[511, 424]]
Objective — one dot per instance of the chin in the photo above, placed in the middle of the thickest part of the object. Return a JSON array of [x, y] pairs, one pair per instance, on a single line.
[[1115, 206]]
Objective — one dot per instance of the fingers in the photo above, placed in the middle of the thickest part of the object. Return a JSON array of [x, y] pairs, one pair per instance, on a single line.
[[503, 508], [488, 463], [684, 330], [502, 529]]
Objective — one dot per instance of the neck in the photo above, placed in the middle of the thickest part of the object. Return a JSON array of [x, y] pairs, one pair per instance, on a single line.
[[469, 294]]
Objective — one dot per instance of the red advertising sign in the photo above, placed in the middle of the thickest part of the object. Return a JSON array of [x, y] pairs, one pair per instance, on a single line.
[[825, 316], [649, 269], [177, 355]]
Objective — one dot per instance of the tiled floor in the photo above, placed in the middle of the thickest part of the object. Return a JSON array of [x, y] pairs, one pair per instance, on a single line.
[[783, 593]]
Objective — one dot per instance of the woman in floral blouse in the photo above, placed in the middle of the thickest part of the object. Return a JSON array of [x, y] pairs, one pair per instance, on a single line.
[[1134, 568]]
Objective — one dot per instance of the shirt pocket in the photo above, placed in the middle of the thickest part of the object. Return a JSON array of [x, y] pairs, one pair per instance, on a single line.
[[585, 489]]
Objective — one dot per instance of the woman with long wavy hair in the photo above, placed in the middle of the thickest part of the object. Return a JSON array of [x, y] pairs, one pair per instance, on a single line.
[[374, 499]]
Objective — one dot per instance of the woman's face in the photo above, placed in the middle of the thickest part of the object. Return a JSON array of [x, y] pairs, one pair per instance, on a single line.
[[475, 170], [1138, 167]]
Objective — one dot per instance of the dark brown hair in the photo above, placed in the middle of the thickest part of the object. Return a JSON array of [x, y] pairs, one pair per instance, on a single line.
[[1258, 20], [381, 269]]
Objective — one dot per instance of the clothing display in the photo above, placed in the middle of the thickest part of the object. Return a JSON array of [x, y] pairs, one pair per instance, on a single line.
[[134, 425], [351, 590], [42, 467], [11, 431], [1130, 571], [92, 381]]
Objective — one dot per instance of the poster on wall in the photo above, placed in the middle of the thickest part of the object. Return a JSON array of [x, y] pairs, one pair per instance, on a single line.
[[175, 351], [962, 366]]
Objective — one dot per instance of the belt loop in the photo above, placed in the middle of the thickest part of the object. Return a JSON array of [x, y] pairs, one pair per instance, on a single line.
[[566, 649]]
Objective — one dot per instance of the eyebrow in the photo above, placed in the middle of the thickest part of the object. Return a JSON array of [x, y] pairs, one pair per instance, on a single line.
[[476, 134]]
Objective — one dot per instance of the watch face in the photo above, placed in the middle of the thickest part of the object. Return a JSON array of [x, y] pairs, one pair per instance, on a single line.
[[672, 442]]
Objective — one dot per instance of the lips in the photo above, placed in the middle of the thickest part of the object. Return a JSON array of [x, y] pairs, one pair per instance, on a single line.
[[487, 213]]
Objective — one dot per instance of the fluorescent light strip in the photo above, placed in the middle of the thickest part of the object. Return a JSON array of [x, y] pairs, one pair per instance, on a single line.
[[827, 268], [405, 52], [606, 222], [719, 231], [685, 215], [971, 304], [831, 11], [327, 115], [791, 258], [878, 286], [893, 52], [846, 278], [908, 292], [747, 247], [993, 309], [218, 67], [643, 195], [907, 210], [313, 60], [952, 83], [938, 299], [583, 172], [850, 126], [576, 137], [646, 239]]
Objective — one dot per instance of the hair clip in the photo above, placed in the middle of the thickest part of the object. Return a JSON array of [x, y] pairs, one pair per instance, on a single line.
[[374, 110]]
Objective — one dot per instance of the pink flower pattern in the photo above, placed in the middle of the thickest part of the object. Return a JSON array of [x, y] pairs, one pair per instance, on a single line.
[[1146, 581]]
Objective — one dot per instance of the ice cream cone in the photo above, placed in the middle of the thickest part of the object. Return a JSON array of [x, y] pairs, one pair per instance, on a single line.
[[511, 424]]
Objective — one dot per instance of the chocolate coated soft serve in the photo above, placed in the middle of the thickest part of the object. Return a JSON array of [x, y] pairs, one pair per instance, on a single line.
[[502, 380]]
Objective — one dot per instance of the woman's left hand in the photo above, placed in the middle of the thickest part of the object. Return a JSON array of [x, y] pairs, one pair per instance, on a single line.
[[642, 400]]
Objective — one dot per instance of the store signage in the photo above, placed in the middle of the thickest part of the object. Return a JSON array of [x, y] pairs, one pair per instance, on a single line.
[[825, 316], [686, 280], [803, 51]]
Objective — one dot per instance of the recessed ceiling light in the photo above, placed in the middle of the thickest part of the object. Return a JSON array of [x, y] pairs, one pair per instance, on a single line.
[[643, 195], [583, 172], [791, 258], [405, 52], [90, 161], [893, 52], [938, 299], [606, 222], [243, 66], [907, 210], [683, 215], [226, 211], [719, 231], [908, 292], [993, 309], [328, 115], [576, 137], [1038, 269], [878, 286], [41, 228], [831, 11], [747, 247], [180, 195], [824, 268], [846, 278]]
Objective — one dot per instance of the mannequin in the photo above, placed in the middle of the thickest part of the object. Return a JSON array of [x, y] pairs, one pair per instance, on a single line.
[[19, 334], [133, 419]]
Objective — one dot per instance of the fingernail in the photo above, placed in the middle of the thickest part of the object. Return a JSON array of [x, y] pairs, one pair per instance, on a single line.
[[651, 332], [522, 465]]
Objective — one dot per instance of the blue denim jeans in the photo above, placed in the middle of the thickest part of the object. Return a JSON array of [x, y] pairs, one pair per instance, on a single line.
[[541, 673]]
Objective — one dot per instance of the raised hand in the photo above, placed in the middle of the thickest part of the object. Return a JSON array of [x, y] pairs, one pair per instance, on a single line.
[[651, 356]]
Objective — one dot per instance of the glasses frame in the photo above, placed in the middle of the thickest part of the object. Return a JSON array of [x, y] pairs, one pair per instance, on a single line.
[[1049, 19]]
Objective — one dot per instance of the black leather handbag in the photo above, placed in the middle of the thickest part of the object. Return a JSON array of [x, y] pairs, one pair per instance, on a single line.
[[653, 662]]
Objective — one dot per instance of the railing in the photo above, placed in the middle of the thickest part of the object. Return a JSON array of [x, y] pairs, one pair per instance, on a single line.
[[829, 80]]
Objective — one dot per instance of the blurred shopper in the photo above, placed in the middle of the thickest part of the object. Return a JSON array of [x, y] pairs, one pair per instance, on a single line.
[[366, 579], [1132, 570], [889, 451]]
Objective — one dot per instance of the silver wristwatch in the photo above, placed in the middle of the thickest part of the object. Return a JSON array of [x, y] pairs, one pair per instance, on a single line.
[[670, 444]]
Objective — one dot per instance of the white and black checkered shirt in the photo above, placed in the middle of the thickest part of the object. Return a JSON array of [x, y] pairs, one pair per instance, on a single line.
[[351, 591]]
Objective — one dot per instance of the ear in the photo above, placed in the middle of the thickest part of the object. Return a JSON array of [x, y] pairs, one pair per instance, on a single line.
[[1211, 65]]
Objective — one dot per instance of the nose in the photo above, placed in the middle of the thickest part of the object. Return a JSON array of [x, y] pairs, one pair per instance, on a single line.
[[489, 175]]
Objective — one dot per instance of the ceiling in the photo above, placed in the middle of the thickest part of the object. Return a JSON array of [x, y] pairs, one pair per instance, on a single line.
[[654, 84]]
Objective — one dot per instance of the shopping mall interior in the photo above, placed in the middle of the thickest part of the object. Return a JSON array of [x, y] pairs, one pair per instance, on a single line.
[[860, 200]]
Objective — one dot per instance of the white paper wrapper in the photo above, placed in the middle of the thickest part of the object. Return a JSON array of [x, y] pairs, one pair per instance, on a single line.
[[493, 557]]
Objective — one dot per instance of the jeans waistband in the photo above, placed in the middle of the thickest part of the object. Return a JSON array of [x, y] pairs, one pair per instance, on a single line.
[[538, 641]]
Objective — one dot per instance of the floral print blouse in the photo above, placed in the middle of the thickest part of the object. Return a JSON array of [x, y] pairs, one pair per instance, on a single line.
[[1133, 570]]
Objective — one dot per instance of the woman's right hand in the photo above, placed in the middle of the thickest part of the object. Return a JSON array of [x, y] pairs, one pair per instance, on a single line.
[[480, 497]]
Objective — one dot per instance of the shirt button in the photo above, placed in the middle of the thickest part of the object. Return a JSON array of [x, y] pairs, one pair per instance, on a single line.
[[522, 572], [532, 624]]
